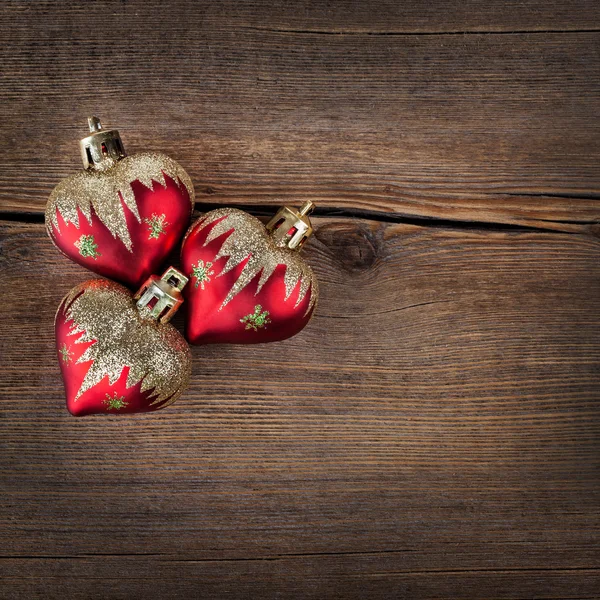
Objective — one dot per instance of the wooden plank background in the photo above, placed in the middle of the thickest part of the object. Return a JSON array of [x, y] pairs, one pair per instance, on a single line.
[[435, 431]]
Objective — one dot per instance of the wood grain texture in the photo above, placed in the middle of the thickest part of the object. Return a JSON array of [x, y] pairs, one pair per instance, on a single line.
[[370, 106], [432, 433], [435, 431]]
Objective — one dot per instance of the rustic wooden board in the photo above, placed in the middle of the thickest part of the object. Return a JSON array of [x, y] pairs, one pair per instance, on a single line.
[[368, 106], [433, 433]]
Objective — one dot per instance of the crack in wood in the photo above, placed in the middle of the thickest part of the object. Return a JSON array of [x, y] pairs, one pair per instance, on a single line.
[[422, 33], [385, 312]]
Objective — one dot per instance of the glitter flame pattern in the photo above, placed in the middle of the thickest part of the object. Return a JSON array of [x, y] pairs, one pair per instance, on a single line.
[[250, 240], [105, 192], [104, 313]]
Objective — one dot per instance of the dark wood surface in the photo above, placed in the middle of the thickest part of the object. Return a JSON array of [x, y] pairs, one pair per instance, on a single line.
[[435, 431]]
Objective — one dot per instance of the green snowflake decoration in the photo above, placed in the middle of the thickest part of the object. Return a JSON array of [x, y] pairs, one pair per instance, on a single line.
[[202, 273], [156, 225], [256, 320], [87, 247], [65, 354], [115, 402]]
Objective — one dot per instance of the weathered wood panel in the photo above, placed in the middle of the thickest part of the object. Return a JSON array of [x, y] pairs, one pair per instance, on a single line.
[[259, 102], [435, 431], [432, 433]]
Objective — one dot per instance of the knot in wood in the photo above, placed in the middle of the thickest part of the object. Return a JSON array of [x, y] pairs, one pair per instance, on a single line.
[[351, 245]]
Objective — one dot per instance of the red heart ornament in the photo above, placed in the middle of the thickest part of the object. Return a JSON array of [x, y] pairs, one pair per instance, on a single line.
[[122, 215], [118, 356], [248, 284]]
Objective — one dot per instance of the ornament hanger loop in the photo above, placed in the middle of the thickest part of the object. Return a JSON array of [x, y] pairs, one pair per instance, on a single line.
[[160, 297], [103, 148], [306, 208], [94, 124], [290, 228]]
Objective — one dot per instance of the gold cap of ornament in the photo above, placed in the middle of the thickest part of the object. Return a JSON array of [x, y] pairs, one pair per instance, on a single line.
[[160, 297], [290, 228], [103, 148]]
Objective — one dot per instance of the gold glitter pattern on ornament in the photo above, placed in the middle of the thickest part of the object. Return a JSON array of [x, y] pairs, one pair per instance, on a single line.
[[105, 192], [256, 320], [115, 402], [87, 247], [65, 354], [156, 225], [202, 273], [250, 240], [104, 312]]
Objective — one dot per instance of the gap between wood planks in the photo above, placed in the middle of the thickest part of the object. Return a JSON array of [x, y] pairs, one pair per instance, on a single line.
[[372, 215]]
